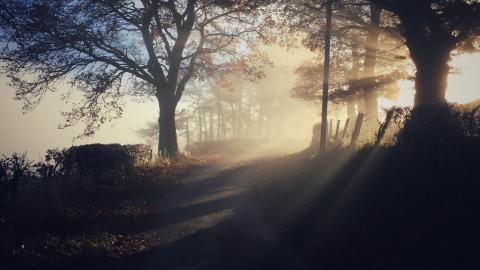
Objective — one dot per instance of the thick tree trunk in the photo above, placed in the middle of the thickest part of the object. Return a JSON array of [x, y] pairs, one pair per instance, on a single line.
[[167, 143], [351, 113], [361, 108], [371, 94], [430, 51], [431, 77], [353, 76]]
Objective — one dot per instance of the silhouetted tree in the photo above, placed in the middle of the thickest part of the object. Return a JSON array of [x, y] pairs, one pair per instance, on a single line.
[[109, 49], [432, 30]]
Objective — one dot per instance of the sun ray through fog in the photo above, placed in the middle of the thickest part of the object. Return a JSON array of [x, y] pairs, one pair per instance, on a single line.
[[463, 83]]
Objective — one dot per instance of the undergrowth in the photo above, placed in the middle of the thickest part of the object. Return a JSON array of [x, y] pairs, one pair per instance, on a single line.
[[411, 204], [44, 220]]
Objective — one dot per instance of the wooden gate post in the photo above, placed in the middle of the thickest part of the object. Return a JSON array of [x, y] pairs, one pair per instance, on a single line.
[[358, 127], [384, 126]]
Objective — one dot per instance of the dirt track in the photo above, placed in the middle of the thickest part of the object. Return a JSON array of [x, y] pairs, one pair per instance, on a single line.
[[210, 220]]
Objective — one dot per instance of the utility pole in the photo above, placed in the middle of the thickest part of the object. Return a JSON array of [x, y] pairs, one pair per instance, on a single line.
[[326, 72]]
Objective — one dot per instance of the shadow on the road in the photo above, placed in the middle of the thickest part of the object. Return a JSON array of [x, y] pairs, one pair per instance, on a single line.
[[239, 241], [124, 224]]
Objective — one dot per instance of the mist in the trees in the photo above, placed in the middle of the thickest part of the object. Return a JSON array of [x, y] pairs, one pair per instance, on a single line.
[[233, 134]]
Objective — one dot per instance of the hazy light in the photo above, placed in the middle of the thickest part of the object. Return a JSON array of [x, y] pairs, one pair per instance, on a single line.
[[463, 84], [464, 87]]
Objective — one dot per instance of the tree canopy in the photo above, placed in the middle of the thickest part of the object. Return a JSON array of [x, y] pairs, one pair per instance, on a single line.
[[432, 30], [109, 49]]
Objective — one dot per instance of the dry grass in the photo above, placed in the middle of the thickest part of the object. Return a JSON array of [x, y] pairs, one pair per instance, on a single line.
[[164, 169], [47, 221]]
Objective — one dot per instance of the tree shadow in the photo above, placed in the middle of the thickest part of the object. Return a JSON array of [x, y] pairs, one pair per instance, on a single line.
[[243, 240]]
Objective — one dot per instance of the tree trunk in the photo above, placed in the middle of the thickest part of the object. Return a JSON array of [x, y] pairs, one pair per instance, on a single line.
[[430, 51], [205, 130], [353, 76], [219, 123], [224, 126], [199, 119], [187, 131], [371, 94], [233, 120], [167, 142], [431, 77], [211, 135], [361, 108]]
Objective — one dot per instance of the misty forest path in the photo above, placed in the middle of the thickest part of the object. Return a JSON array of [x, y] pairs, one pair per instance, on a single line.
[[210, 220]]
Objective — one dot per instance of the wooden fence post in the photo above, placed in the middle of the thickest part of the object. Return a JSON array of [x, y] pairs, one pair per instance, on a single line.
[[336, 132], [356, 130], [345, 128], [384, 126]]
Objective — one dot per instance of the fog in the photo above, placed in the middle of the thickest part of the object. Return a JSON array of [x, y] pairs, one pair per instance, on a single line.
[[292, 119]]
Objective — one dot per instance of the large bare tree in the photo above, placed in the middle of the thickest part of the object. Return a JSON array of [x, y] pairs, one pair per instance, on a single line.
[[109, 49]]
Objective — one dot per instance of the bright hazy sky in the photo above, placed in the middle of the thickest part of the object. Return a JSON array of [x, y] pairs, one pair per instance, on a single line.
[[37, 130]]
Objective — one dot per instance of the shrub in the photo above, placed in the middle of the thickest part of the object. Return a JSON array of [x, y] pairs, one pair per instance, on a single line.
[[53, 165], [103, 163], [16, 168], [430, 125], [110, 163], [140, 153], [3, 169]]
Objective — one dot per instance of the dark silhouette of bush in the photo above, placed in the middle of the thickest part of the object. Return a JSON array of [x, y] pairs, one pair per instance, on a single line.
[[3, 169], [413, 204], [111, 163], [15, 168], [53, 164], [103, 163], [430, 125]]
